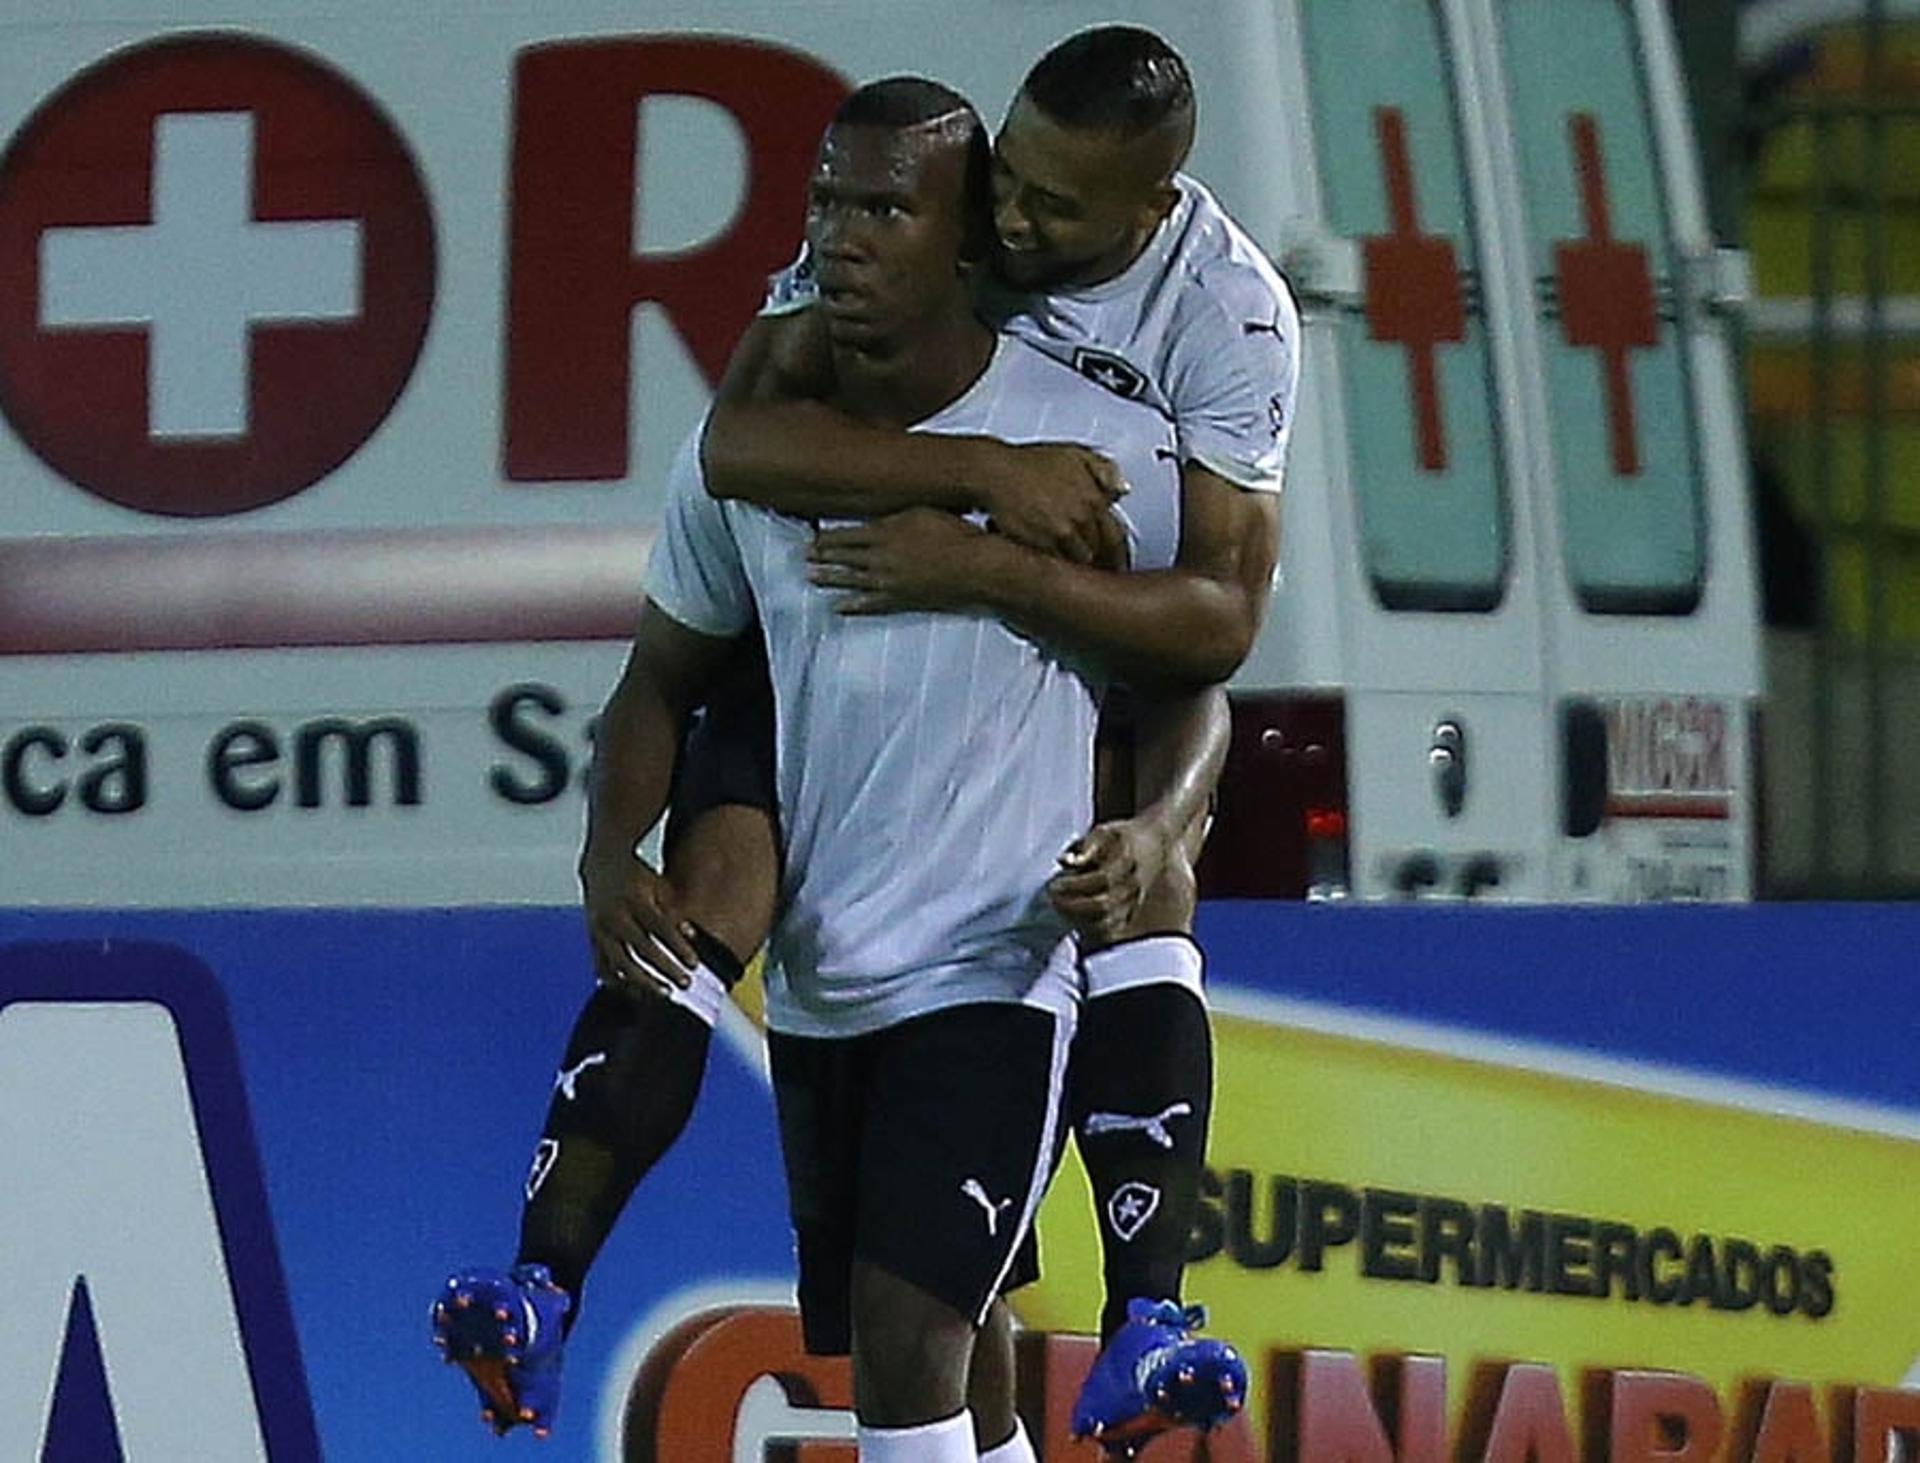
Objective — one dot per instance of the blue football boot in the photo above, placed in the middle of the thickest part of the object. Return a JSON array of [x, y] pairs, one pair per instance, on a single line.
[[504, 1329], [1156, 1375]]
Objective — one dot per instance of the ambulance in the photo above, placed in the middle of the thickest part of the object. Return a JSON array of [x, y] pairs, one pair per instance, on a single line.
[[343, 350]]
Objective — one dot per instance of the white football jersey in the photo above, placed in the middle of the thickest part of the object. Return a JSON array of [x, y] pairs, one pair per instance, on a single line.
[[931, 767], [1201, 327]]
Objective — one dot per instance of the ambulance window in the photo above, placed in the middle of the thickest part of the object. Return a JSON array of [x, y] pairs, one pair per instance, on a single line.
[[1615, 360], [1416, 377]]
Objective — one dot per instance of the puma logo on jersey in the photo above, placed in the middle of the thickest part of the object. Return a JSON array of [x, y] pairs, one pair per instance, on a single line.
[[568, 1076], [975, 1191], [1154, 1126]]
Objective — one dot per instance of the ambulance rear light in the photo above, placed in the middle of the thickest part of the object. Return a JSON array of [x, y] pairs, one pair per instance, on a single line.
[[1326, 825], [1328, 876], [1281, 818]]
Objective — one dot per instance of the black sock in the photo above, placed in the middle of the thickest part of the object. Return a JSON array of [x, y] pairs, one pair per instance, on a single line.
[[1139, 1094], [627, 1084]]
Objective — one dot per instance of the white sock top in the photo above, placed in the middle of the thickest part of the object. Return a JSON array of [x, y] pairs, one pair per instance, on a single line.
[[1016, 1449], [706, 996], [950, 1441], [1152, 960]]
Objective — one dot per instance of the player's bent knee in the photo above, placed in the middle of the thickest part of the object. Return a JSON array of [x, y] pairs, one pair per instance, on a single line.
[[911, 1351], [724, 868]]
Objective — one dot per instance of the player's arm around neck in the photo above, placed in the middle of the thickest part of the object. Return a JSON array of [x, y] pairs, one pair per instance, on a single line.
[[668, 673], [771, 439], [1162, 630]]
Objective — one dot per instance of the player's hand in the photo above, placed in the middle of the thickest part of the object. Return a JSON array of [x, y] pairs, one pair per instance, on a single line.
[[1057, 497], [642, 944], [1106, 873], [919, 559]]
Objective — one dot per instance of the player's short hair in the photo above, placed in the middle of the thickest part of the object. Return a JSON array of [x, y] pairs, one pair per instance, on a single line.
[[1121, 79], [902, 102]]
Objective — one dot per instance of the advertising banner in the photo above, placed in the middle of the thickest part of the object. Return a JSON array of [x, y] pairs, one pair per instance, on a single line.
[[1482, 1183]]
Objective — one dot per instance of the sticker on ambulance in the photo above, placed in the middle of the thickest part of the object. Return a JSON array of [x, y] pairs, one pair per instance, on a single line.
[[1673, 799]]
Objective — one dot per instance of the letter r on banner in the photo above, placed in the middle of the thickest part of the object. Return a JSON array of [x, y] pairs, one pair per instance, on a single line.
[[574, 275]]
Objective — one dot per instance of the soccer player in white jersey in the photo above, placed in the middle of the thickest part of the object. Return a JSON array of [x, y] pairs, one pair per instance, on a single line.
[[1145, 1053], [1120, 265], [931, 768]]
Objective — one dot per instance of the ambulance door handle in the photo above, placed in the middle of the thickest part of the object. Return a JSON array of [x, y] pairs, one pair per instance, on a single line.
[[1322, 268], [1328, 271], [1719, 280], [1447, 757]]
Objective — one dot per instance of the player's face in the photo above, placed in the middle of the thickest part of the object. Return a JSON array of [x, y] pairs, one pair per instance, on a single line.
[[884, 221], [1070, 207]]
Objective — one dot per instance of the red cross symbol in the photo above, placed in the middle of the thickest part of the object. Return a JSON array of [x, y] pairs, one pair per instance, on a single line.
[[1413, 288], [1606, 293]]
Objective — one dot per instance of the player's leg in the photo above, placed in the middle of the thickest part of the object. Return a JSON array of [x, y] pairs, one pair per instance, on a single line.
[[991, 1378], [1140, 1100], [625, 1089], [631, 1071], [954, 1160], [822, 1091], [1140, 1097], [1140, 1087], [911, 1352], [635, 1061], [725, 871]]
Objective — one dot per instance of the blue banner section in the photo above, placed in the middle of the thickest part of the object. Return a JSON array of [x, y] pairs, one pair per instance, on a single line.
[[106, 974], [1812, 997], [396, 1066]]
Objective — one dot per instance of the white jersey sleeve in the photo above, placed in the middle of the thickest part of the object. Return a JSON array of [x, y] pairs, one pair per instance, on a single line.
[[1233, 369], [696, 574], [1200, 327]]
